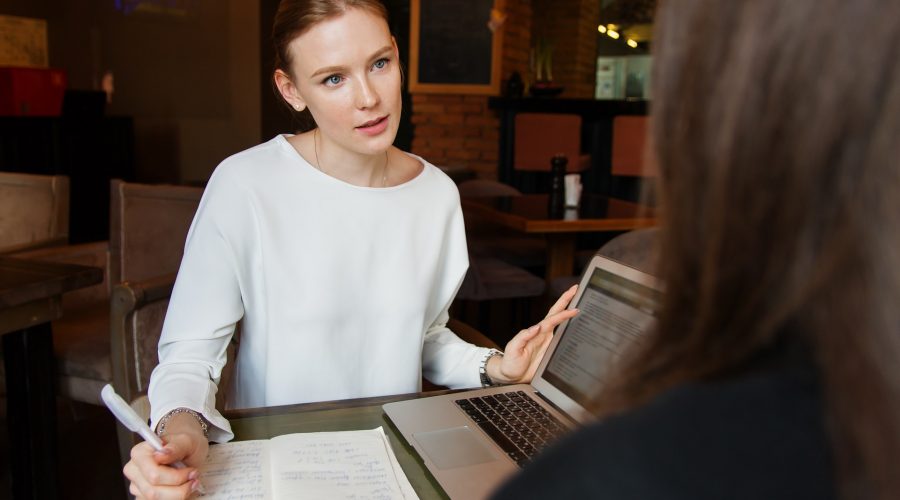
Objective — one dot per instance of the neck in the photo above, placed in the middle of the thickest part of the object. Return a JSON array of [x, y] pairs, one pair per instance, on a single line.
[[354, 168]]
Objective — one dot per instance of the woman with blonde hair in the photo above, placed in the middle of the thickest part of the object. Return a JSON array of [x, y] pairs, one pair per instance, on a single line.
[[339, 254]]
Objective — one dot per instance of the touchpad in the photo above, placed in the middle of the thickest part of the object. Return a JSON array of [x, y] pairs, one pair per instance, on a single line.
[[456, 447]]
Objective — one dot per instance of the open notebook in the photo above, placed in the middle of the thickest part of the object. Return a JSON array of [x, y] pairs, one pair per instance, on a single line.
[[347, 464]]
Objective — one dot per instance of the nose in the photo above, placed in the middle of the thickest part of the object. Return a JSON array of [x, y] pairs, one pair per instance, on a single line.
[[366, 95]]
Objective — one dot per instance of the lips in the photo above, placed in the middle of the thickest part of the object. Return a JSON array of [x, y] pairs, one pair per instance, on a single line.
[[372, 123], [374, 127]]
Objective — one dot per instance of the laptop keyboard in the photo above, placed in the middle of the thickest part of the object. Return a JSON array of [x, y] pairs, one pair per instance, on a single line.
[[517, 423]]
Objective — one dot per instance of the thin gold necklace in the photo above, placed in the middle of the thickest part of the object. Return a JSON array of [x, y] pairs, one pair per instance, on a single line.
[[319, 164]]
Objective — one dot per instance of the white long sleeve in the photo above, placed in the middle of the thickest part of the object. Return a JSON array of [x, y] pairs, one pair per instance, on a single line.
[[342, 290]]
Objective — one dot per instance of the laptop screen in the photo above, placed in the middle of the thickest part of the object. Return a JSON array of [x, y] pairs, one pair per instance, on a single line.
[[614, 313]]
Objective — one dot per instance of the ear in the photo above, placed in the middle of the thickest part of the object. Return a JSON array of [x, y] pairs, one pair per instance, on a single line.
[[288, 90]]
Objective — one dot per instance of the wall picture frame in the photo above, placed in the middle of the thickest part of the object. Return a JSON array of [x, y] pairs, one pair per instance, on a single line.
[[453, 50]]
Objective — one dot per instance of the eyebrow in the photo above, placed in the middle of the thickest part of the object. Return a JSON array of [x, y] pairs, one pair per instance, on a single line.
[[337, 69]]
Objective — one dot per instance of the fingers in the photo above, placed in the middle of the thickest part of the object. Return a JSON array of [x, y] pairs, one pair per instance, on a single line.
[[189, 448], [529, 333], [150, 478], [553, 320], [163, 492], [177, 448], [563, 301]]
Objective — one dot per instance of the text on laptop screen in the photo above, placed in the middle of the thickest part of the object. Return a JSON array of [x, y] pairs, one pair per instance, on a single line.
[[614, 313]]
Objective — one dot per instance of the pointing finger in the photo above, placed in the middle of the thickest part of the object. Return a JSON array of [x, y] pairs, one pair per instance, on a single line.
[[563, 301]]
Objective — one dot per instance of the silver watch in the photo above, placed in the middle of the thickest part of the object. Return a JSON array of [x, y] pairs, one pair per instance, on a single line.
[[482, 368]]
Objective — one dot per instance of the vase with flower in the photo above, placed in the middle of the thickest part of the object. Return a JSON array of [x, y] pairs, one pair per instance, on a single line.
[[542, 67]]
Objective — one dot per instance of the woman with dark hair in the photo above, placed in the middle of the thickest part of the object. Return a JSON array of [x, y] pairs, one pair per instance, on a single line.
[[338, 253], [773, 370]]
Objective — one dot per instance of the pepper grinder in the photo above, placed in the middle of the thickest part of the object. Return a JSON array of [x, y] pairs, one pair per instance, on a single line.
[[557, 202]]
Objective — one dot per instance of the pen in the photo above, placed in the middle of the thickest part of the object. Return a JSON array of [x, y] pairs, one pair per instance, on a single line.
[[130, 419]]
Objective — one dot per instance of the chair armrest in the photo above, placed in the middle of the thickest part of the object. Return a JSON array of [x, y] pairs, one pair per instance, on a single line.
[[132, 305], [470, 334], [131, 295]]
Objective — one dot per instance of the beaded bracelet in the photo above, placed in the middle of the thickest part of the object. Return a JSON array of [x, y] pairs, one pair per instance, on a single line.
[[161, 426]]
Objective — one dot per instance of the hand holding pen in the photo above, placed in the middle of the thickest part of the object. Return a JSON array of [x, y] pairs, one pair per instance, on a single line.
[[154, 466]]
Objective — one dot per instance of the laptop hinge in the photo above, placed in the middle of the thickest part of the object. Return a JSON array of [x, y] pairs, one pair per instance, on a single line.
[[559, 410]]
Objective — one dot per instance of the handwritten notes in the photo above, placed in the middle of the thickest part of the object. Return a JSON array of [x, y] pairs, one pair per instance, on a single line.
[[237, 471], [352, 465]]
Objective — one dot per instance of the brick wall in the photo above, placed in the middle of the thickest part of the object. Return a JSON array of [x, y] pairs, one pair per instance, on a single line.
[[456, 130], [571, 26], [460, 131]]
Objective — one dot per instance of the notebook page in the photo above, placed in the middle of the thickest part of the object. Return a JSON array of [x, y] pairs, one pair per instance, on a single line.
[[350, 464], [408, 492], [237, 471]]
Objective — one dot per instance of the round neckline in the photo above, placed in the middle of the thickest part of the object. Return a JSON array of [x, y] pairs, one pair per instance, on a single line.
[[283, 139]]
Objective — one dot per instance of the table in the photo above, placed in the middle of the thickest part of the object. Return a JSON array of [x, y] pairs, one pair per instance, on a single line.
[[353, 414], [531, 214], [31, 297]]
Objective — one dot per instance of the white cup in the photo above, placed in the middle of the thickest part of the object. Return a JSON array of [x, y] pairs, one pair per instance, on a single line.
[[572, 185]]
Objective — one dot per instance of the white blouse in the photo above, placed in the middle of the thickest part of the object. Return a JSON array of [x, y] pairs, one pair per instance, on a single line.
[[342, 290]]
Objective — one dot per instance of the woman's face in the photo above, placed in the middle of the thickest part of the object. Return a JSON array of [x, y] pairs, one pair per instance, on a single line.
[[346, 71]]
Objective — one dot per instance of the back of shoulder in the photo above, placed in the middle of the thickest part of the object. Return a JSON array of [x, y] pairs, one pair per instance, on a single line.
[[746, 439]]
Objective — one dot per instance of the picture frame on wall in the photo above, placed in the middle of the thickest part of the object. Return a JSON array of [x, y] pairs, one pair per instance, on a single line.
[[453, 48]]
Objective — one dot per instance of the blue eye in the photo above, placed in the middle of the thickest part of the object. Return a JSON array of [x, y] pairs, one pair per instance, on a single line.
[[333, 80], [381, 63]]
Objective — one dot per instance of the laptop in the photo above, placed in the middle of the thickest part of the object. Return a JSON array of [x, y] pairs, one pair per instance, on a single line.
[[472, 441]]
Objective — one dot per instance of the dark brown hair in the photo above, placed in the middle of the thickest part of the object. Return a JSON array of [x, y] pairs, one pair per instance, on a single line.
[[295, 17], [776, 125]]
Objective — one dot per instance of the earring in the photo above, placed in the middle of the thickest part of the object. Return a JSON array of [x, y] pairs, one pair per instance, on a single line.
[[297, 107]]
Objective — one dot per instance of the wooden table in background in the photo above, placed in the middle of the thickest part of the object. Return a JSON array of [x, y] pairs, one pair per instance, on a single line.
[[530, 213], [31, 297], [347, 415]]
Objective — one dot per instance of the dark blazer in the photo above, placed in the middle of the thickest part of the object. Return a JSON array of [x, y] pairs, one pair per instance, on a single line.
[[759, 435]]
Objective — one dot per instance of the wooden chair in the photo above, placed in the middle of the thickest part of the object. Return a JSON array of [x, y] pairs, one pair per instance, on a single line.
[[137, 311], [148, 228], [541, 136], [537, 138], [632, 165], [34, 211]]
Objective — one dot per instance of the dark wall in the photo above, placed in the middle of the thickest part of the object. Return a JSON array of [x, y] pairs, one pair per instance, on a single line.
[[183, 70]]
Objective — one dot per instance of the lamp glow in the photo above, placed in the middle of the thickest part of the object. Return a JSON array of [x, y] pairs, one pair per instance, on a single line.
[[613, 34], [631, 43], [601, 28]]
